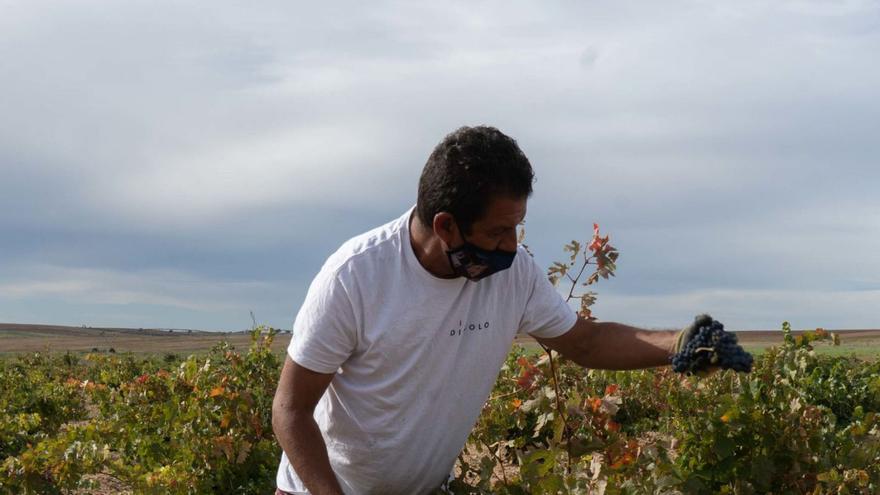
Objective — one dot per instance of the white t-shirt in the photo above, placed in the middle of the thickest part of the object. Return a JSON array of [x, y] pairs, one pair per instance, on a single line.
[[415, 357]]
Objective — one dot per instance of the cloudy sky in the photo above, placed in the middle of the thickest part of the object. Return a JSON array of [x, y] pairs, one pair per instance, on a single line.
[[174, 164]]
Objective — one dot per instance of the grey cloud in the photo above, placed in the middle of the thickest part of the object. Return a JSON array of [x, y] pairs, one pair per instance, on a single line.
[[151, 136]]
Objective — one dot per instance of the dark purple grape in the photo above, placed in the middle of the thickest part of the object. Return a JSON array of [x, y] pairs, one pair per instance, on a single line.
[[711, 346]]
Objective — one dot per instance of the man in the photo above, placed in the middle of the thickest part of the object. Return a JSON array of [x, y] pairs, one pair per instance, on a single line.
[[405, 329]]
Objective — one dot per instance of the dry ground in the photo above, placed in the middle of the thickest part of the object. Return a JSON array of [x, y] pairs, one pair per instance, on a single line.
[[16, 338]]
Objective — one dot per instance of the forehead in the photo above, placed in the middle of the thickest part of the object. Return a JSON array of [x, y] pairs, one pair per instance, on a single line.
[[503, 212]]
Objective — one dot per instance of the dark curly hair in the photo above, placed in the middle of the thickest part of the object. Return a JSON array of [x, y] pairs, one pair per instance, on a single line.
[[466, 170]]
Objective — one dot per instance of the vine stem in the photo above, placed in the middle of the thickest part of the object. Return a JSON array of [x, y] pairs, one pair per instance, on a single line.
[[575, 281], [110, 475], [560, 410], [501, 396], [498, 459]]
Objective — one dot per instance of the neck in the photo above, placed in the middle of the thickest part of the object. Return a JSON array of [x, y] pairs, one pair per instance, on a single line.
[[429, 249]]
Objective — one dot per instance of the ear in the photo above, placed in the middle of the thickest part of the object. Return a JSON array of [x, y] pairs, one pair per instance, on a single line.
[[445, 228]]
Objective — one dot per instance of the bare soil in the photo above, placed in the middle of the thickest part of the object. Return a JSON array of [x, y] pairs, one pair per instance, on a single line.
[[16, 337]]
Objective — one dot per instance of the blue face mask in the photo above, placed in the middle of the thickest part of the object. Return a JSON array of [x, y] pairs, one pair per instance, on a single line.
[[475, 263]]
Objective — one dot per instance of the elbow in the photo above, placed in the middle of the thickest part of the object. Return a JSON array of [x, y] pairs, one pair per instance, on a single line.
[[285, 414], [282, 413], [585, 356], [582, 355], [278, 415], [587, 351]]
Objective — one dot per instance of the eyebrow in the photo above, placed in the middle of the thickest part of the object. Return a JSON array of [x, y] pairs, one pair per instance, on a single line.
[[505, 227]]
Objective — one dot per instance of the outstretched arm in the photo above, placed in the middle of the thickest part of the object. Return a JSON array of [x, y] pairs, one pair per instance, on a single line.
[[613, 346]]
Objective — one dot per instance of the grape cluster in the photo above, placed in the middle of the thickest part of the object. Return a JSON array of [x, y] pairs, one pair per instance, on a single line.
[[710, 346]]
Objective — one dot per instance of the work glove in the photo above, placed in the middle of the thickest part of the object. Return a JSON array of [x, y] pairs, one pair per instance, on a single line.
[[687, 333], [704, 346]]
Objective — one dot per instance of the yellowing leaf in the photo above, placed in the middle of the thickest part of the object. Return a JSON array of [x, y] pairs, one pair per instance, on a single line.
[[243, 452], [224, 444]]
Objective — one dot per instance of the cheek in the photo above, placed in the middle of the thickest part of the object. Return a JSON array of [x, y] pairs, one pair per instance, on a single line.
[[491, 243], [508, 242]]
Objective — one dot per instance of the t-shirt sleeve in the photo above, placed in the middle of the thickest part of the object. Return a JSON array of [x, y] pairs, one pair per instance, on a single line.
[[546, 312], [325, 331]]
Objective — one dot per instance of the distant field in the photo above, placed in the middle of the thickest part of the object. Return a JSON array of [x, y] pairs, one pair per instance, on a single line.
[[16, 338], [862, 343]]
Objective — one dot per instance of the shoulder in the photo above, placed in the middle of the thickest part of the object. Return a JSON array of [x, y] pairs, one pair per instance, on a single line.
[[367, 248]]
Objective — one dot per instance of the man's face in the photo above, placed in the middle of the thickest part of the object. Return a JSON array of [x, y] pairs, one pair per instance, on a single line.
[[497, 228]]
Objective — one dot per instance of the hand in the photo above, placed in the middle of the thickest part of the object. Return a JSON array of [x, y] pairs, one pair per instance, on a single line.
[[688, 332], [683, 338]]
